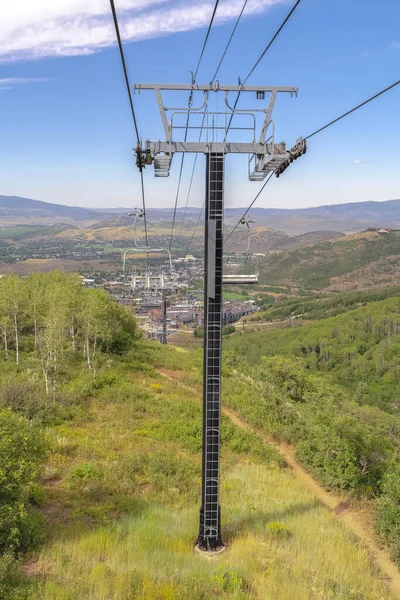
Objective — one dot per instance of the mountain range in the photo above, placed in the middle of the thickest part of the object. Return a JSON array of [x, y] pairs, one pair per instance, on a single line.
[[347, 218]]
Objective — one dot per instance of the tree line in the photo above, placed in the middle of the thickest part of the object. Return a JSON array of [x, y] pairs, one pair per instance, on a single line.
[[56, 319]]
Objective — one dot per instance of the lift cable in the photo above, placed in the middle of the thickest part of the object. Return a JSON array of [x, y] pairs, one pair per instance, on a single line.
[[190, 185], [206, 40], [202, 124], [229, 42], [121, 51], [319, 131], [194, 230], [247, 210], [261, 57], [273, 39], [187, 119], [288, 16], [237, 100], [353, 109]]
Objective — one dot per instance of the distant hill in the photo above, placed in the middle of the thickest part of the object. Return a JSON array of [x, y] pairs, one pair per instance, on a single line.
[[22, 211], [262, 239], [355, 262], [348, 218], [19, 233], [305, 239]]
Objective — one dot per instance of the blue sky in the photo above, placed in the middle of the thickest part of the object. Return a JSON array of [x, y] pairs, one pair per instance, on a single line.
[[66, 129]]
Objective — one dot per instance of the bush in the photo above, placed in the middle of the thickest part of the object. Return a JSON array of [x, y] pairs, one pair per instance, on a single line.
[[22, 395], [22, 450], [86, 477], [229, 581], [36, 495], [388, 522], [11, 584]]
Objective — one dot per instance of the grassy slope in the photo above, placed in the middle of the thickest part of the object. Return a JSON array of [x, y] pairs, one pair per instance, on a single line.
[[355, 262], [26, 232], [123, 497], [117, 233], [358, 349], [316, 308]]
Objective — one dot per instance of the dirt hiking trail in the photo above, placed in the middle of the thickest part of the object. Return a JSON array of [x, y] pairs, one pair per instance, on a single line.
[[355, 519]]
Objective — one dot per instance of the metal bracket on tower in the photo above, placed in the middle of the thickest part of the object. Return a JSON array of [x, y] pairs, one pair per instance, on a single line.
[[265, 156]]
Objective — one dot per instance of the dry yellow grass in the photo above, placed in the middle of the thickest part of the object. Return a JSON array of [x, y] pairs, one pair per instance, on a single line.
[[282, 544], [308, 557]]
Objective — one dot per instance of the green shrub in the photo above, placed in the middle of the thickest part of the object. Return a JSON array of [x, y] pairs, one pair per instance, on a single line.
[[11, 582], [22, 451], [120, 343], [36, 495], [22, 394], [86, 476], [388, 521]]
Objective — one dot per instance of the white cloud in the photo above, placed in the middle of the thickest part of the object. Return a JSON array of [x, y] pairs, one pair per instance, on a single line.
[[17, 80], [41, 28], [8, 83]]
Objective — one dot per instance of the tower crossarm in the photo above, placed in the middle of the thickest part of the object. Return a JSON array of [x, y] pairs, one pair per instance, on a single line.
[[212, 147], [264, 155], [216, 87]]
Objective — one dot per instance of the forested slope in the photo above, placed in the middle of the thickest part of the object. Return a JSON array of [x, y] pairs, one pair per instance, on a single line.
[[107, 491], [332, 387], [356, 262]]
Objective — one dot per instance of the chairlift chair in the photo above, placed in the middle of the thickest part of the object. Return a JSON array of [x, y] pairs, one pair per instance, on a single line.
[[244, 279], [147, 277]]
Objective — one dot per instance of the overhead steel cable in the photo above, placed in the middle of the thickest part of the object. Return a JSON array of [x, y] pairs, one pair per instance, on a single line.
[[188, 116], [206, 40], [247, 210], [352, 110], [273, 39], [268, 46], [189, 189], [202, 124], [194, 230], [122, 55], [390, 87], [229, 41]]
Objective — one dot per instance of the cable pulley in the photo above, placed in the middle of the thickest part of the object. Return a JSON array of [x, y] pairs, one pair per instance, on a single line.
[[143, 157], [298, 150]]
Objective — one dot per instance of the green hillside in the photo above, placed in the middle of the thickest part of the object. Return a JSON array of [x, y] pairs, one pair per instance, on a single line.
[[106, 431], [27, 232], [358, 349], [317, 306], [332, 388], [355, 262]]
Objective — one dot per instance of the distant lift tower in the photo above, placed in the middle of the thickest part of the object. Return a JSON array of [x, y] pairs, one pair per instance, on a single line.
[[264, 157]]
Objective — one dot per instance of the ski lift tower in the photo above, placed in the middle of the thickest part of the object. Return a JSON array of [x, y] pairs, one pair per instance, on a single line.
[[265, 156]]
